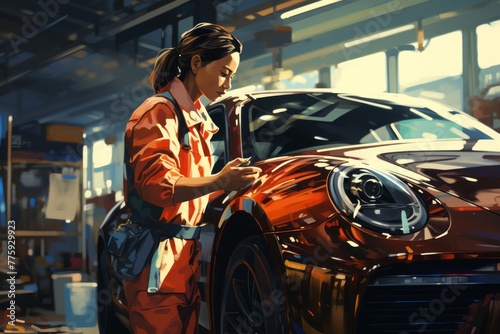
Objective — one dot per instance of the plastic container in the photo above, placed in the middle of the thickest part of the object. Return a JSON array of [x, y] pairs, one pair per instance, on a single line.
[[59, 281], [81, 304]]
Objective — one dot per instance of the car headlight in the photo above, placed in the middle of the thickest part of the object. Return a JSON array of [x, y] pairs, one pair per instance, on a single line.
[[376, 200]]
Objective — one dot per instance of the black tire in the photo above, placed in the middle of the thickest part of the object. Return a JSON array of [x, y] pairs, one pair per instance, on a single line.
[[107, 320], [493, 321], [252, 298]]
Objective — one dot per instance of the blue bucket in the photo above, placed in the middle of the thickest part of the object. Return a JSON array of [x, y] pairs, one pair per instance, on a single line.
[[80, 300]]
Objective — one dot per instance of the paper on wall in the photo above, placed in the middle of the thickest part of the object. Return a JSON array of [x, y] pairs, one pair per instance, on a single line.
[[63, 199]]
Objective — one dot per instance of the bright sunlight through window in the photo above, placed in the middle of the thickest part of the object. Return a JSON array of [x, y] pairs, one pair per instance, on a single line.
[[366, 73], [487, 54], [436, 72], [487, 42], [101, 154], [442, 58]]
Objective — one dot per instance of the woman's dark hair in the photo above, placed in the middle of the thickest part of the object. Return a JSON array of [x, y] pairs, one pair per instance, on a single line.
[[209, 41]]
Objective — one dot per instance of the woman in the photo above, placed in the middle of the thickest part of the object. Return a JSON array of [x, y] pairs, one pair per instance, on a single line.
[[175, 174]]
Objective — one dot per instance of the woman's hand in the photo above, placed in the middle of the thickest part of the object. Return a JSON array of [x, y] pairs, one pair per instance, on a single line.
[[233, 177], [230, 178]]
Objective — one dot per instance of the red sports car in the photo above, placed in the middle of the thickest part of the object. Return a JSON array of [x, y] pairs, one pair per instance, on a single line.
[[372, 214]]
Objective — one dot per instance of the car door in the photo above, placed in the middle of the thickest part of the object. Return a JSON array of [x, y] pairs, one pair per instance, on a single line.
[[220, 156]]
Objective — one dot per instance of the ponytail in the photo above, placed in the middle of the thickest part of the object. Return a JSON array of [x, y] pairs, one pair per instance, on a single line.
[[166, 68]]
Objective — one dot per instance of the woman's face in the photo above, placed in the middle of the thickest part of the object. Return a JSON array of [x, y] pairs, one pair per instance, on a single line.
[[214, 78]]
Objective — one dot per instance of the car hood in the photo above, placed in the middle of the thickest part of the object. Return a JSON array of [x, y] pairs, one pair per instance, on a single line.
[[466, 169]]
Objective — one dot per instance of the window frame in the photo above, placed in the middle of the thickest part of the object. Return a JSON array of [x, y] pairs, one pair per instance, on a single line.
[[223, 131]]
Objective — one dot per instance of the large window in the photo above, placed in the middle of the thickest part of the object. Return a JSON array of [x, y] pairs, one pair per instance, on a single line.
[[368, 73], [487, 52], [102, 154], [436, 72], [107, 167]]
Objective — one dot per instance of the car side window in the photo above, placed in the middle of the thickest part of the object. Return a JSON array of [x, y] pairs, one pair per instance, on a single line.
[[220, 141]]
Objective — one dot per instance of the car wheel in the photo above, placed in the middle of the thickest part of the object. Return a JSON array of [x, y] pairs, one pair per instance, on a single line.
[[252, 298], [108, 322], [493, 321]]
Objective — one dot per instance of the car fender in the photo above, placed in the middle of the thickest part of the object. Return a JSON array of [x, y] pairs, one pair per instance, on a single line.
[[241, 218]]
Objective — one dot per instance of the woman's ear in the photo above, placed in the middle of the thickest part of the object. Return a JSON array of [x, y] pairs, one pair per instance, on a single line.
[[195, 63]]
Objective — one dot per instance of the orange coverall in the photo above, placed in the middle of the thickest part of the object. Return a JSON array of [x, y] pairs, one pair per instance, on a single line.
[[158, 161]]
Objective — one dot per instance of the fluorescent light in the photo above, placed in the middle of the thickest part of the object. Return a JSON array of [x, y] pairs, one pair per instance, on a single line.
[[379, 35], [306, 8], [447, 15]]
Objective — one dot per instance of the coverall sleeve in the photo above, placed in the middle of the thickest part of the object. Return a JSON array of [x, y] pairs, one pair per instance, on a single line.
[[154, 154]]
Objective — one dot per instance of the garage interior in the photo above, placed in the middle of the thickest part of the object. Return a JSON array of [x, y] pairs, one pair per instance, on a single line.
[[72, 72]]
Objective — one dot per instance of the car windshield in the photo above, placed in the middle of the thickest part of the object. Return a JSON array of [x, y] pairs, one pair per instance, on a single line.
[[282, 124]]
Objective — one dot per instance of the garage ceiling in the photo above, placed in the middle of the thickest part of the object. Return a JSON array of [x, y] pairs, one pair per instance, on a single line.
[[87, 62]]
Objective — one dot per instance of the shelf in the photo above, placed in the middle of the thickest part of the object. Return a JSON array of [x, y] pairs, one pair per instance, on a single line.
[[46, 162], [41, 234], [36, 171]]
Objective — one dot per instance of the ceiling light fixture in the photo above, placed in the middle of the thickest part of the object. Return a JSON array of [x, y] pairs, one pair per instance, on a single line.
[[278, 7], [307, 8], [379, 35], [420, 36]]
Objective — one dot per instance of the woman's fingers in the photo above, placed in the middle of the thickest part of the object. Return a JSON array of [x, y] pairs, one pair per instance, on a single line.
[[238, 161]]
